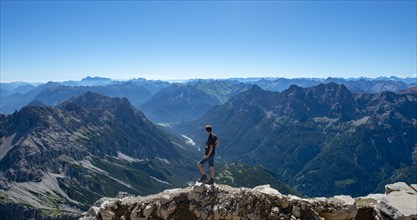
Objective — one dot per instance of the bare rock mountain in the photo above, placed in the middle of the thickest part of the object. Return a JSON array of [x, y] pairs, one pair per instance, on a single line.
[[63, 158]]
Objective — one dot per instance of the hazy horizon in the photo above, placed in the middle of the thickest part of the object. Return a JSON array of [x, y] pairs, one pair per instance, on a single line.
[[190, 79]]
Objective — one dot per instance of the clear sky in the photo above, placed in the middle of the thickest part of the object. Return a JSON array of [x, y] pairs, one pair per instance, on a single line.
[[69, 40]]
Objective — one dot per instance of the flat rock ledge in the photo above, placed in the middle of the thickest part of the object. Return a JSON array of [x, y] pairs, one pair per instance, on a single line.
[[262, 202]]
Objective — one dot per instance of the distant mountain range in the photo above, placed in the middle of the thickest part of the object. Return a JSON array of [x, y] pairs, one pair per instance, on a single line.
[[321, 140], [360, 85], [136, 94], [137, 91], [169, 102], [64, 158]]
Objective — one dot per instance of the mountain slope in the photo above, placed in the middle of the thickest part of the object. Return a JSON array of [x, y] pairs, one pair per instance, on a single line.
[[306, 136], [240, 175], [178, 103], [222, 90], [411, 90], [62, 159], [186, 102]]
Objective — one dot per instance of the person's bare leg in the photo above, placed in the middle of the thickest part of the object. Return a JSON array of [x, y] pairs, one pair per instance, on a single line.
[[202, 170], [212, 172]]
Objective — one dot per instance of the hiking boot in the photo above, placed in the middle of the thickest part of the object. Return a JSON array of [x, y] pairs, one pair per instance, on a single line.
[[210, 182], [202, 179]]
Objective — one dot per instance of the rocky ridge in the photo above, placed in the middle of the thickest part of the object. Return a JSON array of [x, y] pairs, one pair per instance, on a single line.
[[59, 160], [261, 202]]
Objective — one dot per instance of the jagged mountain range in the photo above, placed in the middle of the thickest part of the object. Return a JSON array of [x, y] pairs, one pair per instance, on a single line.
[[136, 94], [360, 85], [321, 140], [63, 158], [164, 104]]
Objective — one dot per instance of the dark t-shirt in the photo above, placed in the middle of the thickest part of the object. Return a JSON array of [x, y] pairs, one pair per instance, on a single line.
[[211, 140]]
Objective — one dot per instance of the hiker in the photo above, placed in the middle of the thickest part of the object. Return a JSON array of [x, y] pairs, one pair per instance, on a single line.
[[211, 144]]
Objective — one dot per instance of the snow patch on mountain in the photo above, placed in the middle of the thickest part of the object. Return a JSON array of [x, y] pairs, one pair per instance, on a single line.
[[161, 181], [87, 164], [179, 145], [163, 160], [127, 158], [188, 140]]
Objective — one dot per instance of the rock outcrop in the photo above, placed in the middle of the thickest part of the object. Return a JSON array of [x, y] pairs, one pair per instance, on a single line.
[[262, 202], [223, 202], [398, 202]]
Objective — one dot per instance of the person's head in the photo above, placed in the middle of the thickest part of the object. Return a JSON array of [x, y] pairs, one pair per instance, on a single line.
[[208, 128]]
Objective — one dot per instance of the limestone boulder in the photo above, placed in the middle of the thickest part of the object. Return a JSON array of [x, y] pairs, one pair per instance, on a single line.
[[399, 187], [198, 187], [405, 203], [267, 189]]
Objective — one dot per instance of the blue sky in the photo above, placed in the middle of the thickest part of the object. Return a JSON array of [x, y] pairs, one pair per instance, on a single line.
[[69, 40]]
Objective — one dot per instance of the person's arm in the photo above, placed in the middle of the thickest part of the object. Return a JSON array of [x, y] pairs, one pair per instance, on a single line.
[[217, 143], [210, 151], [211, 148]]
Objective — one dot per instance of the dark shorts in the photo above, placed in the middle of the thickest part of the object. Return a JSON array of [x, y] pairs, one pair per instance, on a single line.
[[210, 161]]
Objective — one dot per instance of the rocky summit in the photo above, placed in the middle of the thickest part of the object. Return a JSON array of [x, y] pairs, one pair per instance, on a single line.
[[57, 161], [262, 202]]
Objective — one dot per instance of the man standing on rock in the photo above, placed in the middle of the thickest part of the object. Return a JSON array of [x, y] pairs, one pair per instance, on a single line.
[[211, 144]]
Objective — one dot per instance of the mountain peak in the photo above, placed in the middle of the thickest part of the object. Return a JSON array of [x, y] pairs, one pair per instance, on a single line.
[[294, 87], [37, 103], [96, 78], [330, 90], [94, 101], [333, 85], [256, 88], [92, 95], [84, 148]]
